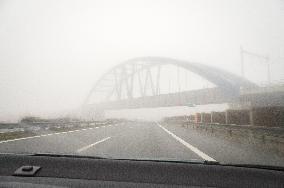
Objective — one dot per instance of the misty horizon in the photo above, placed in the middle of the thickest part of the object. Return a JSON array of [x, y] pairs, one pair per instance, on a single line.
[[52, 52]]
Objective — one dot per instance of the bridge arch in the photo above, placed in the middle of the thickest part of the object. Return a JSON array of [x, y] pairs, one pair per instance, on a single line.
[[228, 83]]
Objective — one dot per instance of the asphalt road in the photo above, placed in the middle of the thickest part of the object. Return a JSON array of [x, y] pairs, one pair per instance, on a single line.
[[142, 140]]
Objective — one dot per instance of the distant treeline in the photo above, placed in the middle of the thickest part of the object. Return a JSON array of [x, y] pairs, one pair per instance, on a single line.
[[33, 119]]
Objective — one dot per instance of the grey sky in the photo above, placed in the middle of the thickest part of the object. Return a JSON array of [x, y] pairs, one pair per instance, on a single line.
[[51, 52]]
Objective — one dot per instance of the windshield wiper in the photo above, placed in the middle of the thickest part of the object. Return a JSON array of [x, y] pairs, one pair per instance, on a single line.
[[129, 159], [66, 155], [266, 167], [171, 160]]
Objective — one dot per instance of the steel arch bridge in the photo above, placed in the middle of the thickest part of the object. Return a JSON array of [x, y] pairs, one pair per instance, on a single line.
[[114, 90]]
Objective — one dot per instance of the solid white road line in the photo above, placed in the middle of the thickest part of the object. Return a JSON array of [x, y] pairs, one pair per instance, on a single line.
[[91, 145], [189, 146], [43, 135]]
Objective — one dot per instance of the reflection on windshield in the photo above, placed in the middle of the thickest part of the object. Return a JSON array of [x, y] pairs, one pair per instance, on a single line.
[[176, 81]]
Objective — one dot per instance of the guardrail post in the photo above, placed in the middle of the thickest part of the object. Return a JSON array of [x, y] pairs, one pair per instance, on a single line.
[[226, 117], [251, 122]]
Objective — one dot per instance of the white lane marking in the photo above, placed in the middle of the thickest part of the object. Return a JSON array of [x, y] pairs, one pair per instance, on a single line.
[[43, 135], [189, 146], [91, 145]]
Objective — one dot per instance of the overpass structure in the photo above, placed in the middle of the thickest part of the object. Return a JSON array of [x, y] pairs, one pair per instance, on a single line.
[[115, 89]]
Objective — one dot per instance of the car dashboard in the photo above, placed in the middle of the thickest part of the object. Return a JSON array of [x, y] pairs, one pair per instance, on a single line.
[[63, 171]]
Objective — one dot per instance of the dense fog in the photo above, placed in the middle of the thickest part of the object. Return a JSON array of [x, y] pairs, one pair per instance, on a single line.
[[52, 52]]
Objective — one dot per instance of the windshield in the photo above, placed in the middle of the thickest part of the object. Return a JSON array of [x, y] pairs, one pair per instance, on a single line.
[[157, 80]]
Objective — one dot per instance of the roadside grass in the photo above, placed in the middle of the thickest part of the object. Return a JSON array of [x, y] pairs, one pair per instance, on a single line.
[[14, 135], [23, 134]]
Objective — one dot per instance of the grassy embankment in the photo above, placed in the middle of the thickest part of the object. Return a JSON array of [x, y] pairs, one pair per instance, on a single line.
[[14, 135]]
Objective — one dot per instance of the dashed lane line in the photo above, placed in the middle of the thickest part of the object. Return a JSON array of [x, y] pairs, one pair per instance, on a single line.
[[189, 146], [91, 145], [44, 135]]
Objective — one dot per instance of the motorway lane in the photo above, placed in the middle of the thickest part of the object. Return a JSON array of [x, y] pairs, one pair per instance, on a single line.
[[63, 143], [125, 140], [141, 140]]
